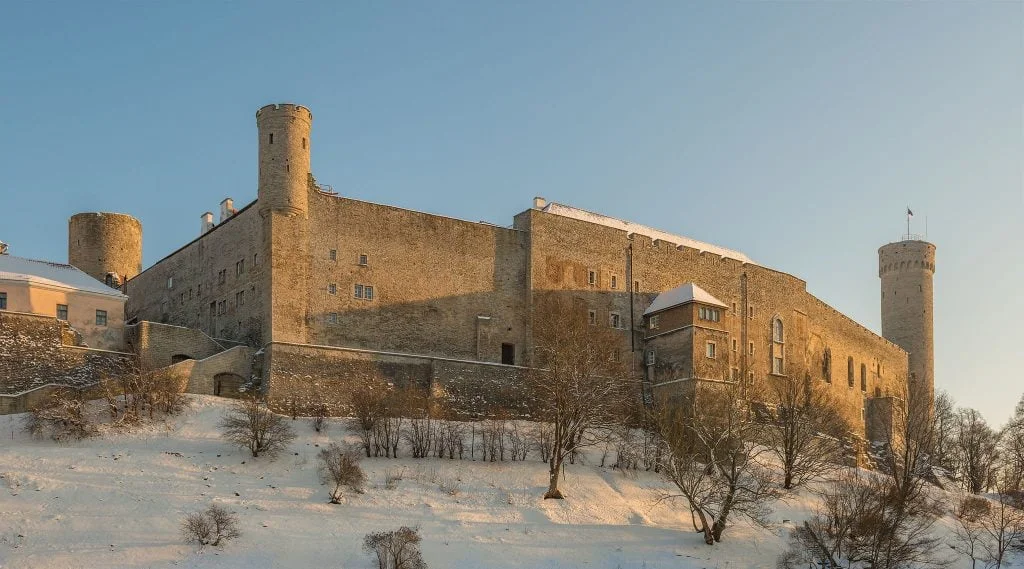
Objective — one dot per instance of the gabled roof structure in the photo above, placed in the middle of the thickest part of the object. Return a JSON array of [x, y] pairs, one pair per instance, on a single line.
[[50, 274], [682, 294]]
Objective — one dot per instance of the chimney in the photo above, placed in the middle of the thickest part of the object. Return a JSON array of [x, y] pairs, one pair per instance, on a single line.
[[3, 248], [227, 209], [539, 202], [207, 223]]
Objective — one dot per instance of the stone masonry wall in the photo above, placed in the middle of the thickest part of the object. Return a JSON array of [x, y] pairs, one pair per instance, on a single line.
[[230, 368], [160, 345], [32, 355], [441, 286], [215, 282], [312, 374]]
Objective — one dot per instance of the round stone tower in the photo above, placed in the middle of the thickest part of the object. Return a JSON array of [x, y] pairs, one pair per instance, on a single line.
[[284, 158], [906, 269], [106, 246]]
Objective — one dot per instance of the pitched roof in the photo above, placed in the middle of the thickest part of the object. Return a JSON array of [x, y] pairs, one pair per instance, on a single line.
[[52, 274], [682, 294]]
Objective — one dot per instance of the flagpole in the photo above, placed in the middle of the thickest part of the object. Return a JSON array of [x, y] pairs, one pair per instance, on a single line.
[[908, 222]]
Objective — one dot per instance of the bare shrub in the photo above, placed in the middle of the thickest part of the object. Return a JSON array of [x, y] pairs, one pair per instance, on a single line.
[[251, 424], [367, 412], [423, 427], [60, 417], [543, 440], [392, 477], [319, 417], [388, 429], [339, 468], [450, 485], [397, 549], [492, 439], [211, 526], [518, 440], [139, 394], [969, 535], [451, 439]]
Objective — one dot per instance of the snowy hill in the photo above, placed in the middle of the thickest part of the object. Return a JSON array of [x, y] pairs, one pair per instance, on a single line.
[[118, 502]]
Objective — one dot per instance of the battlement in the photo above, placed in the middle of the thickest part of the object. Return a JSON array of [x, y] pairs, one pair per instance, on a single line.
[[906, 255], [285, 108]]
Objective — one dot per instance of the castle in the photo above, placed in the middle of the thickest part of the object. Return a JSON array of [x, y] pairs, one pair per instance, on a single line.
[[303, 288]]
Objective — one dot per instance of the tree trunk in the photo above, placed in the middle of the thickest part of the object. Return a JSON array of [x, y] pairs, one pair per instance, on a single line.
[[708, 537], [553, 491], [720, 522]]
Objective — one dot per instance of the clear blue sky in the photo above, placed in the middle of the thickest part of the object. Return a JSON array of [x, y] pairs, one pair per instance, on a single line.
[[794, 132]]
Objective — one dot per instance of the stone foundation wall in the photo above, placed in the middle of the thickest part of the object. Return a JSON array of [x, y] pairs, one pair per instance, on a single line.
[[203, 375], [32, 355], [305, 375], [160, 345]]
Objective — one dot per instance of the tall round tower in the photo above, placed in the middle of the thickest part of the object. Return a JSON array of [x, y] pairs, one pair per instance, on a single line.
[[106, 246], [906, 269], [284, 158]]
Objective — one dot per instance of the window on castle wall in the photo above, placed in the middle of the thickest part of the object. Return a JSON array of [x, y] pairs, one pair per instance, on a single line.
[[652, 322], [368, 292], [614, 283], [592, 278], [363, 260], [333, 255], [303, 143], [710, 350], [62, 312], [332, 289], [101, 317], [778, 347], [3, 301], [170, 282], [751, 350], [359, 291], [240, 267], [240, 298], [735, 345], [592, 317], [849, 371], [616, 320], [271, 138], [332, 318], [863, 377], [826, 365], [636, 286]]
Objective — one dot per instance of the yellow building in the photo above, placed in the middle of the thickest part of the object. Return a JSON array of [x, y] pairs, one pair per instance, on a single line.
[[91, 308]]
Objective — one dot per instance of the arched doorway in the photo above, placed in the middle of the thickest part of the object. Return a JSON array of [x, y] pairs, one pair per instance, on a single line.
[[227, 384], [176, 358]]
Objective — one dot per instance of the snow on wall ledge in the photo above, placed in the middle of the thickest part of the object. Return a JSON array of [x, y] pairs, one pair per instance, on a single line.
[[630, 227]]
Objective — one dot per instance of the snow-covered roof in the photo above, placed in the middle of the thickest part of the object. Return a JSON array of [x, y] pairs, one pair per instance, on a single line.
[[630, 227], [682, 294], [51, 274]]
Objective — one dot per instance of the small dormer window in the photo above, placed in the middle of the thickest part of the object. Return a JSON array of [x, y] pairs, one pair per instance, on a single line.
[[710, 314]]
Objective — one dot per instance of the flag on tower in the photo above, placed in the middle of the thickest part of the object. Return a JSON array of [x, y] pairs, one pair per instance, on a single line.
[[909, 213]]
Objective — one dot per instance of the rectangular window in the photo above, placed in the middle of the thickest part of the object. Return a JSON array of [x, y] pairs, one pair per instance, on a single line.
[[62, 312], [616, 320], [255, 259], [3, 301], [240, 298], [332, 318], [592, 278], [592, 317], [101, 317], [615, 283], [751, 311], [363, 260], [735, 374], [271, 138], [711, 350], [652, 322], [240, 267], [182, 298], [333, 255], [359, 291], [222, 276], [636, 286], [368, 292], [222, 307], [650, 357], [751, 348], [170, 282], [709, 314], [332, 288], [734, 345], [777, 366], [508, 354]]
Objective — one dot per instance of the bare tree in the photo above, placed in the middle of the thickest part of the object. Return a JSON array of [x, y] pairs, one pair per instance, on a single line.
[[212, 526], [805, 430], [713, 459], [397, 549], [339, 469], [977, 445], [251, 424], [579, 381], [319, 417], [944, 422], [1011, 450], [1003, 527], [969, 535]]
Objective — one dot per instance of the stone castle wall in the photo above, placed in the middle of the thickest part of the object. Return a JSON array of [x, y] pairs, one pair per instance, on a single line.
[[213, 284], [160, 345]]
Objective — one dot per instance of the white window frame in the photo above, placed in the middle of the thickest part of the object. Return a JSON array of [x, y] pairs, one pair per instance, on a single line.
[[612, 317], [652, 322], [710, 350], [99, 314], [332, 288], [591, 277], [363, 260], [357, 291]]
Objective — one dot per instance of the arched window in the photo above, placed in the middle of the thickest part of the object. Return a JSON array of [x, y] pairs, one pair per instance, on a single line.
[[864, 378], [778, 347], [849, 371], [826, 365]]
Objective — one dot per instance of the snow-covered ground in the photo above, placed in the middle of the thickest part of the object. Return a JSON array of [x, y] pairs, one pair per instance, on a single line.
[[118, 501]]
